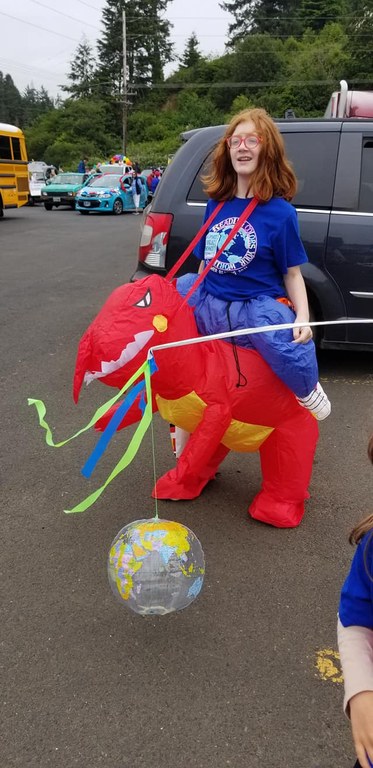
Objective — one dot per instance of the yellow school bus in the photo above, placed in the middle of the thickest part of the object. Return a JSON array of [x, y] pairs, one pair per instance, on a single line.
[[14, 188]]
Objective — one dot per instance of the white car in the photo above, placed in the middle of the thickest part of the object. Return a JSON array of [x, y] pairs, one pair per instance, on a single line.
[[36, 182]]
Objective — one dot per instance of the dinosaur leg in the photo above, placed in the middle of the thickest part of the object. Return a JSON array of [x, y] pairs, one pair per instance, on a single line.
[[286, 459], [199, 460]]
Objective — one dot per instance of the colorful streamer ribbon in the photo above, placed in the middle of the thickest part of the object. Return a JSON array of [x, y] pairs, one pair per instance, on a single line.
[[148, 367]]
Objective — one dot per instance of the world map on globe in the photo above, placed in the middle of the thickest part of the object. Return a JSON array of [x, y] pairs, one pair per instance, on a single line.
[[156, 566]]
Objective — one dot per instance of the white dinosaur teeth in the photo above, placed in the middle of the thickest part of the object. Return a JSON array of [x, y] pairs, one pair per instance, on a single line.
[[127, 354]]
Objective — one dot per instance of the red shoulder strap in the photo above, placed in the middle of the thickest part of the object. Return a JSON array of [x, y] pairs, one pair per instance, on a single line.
[[173, 271]]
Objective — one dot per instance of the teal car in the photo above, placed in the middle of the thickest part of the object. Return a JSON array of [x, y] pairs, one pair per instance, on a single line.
[[109, 193], [63, 189]]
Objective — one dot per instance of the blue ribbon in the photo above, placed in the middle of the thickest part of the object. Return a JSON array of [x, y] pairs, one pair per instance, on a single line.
[[115, 421], [112, 427]]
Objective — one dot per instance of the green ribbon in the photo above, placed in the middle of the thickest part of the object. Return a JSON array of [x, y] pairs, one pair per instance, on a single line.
[[133, 446]]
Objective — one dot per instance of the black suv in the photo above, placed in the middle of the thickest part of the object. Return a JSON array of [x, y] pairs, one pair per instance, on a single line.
[[333, 162]]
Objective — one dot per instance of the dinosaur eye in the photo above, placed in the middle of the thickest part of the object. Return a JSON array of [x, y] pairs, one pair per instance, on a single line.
[[145, 301]]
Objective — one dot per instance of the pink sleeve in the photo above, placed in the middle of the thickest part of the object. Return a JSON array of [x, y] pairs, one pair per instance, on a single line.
[[356, 651]]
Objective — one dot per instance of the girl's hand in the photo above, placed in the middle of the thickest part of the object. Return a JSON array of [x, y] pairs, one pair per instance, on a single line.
[[302, 335], [361, 713]]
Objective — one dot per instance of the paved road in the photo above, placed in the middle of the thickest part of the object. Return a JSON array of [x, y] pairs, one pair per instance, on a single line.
[[232, 680]]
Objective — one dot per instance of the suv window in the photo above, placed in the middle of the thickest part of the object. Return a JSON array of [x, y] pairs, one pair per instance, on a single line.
[[314, 158], [366, 180], [196, 193]]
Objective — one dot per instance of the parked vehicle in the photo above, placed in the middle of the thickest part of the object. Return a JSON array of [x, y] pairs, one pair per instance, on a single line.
[[333, 162], [62, 189], [36, 183], [14, 186], [116, 168], [109, 193]]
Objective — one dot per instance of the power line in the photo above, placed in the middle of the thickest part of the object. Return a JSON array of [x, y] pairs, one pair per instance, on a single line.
[[21, 65], [73, 18], [249, 84], [91, 7], [37, 26]]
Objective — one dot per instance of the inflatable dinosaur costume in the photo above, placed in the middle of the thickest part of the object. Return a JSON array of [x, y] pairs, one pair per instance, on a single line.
[[201, 388]]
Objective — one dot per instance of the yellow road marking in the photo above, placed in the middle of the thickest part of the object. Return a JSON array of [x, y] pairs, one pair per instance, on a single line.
[[328, 664]]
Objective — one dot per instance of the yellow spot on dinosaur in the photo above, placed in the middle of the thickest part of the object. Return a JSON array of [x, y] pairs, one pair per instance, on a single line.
[[328, 665], [160, 323]]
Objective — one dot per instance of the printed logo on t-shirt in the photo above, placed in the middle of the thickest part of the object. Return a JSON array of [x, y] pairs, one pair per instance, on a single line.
[[239, 252]]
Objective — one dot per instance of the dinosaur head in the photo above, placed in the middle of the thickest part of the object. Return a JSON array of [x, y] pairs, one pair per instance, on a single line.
[[135, 317]]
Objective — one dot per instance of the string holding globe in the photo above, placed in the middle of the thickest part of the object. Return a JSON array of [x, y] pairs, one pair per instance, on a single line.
[[156, 566]]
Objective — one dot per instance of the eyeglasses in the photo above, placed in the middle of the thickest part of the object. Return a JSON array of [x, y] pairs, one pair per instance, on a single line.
[[250, 142]]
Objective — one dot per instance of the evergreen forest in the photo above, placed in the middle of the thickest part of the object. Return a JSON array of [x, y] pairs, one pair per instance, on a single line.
[[281, 55]]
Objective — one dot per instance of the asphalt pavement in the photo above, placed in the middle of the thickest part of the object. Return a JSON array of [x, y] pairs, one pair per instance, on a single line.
[[248, 675]]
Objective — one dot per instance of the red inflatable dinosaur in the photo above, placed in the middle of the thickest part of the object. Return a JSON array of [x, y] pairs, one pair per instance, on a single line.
[[196, 388]]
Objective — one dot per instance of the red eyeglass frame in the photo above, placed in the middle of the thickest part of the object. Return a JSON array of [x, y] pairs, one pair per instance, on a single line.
[[243, 139]]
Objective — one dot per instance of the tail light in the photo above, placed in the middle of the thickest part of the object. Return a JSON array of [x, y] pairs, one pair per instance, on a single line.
[[154, 239]]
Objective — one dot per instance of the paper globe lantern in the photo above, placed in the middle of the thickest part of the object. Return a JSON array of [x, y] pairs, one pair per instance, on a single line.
[[156, 566]]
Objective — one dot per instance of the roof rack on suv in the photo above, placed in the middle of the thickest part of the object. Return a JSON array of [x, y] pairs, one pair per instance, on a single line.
[[345, 103]]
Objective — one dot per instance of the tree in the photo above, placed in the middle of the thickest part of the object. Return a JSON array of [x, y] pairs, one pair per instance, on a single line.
[[148, 44], [314, 67], [10, 101], [258, 59], [277, 17], [360, 33], [34, 104], [191, 53], [81, 72], [77, 129], [316, 14]]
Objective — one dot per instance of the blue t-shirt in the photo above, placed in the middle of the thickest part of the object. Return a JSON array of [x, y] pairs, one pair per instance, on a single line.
[[356, 603], [260, 253]]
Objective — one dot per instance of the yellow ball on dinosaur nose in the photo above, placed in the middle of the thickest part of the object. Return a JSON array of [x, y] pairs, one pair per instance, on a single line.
[[160, 323]]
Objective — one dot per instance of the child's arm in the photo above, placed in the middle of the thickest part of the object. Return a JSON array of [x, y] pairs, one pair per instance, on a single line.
[[296, 291], [356, 651], [355, 638]]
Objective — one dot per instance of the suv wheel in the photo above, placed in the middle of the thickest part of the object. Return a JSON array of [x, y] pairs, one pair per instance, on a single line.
[[48, 206]]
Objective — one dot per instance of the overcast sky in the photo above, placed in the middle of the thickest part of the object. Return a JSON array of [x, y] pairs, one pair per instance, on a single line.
[[40, 37]]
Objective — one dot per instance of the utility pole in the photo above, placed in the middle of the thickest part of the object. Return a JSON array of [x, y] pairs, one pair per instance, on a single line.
[[124, 110]]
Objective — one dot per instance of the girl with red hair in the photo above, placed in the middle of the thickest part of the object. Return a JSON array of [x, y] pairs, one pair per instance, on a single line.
[[257, 278]]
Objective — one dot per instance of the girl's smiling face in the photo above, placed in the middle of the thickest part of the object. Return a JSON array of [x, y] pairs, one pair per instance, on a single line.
[[244, 159]]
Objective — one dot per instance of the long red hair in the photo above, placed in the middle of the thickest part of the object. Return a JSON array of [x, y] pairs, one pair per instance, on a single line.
[[274, 176]]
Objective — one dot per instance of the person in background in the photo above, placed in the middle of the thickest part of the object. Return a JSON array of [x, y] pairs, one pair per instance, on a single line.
[[355, 638], [155, 181], [136, 188], [150, 178], [136, 167]]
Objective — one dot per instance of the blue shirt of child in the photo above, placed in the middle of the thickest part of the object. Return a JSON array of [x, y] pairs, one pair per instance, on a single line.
[[356, 603], [254, 262]]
